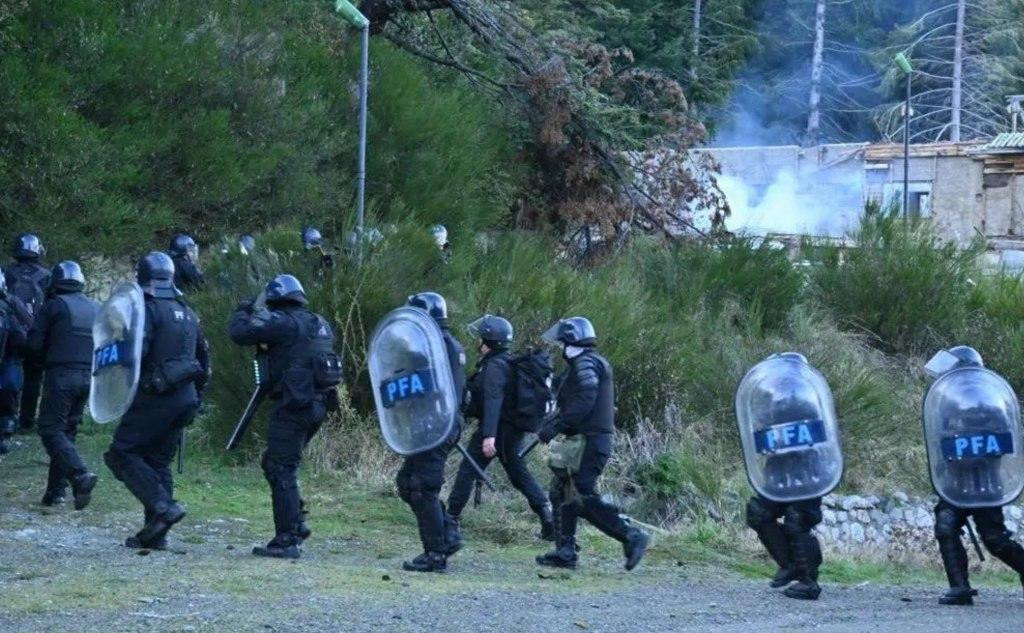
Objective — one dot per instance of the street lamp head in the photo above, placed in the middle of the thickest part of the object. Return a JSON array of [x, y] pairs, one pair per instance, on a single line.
[[903, 63]]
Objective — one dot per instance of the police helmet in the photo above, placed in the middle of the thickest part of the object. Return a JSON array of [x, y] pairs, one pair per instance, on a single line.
[[433, 303], [28, 246], [67, 276], [285, 288], [440, 234], [246, 243], [577, 331], [182, 245], [969, 357], [494, 330], [797, 356], [155, 273], [311, 238]]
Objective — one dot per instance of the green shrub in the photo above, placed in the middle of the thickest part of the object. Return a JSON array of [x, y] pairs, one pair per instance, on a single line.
[[900, 284], [125, 121]]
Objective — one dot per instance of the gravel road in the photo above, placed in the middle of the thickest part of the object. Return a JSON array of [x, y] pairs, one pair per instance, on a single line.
[[61, 570]]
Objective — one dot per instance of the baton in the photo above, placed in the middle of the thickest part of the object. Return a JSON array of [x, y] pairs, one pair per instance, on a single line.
[[974, 540], [181, 452], [479, 471], [524, 451]]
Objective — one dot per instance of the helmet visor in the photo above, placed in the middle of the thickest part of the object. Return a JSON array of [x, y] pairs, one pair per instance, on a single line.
[[476, 327], [551, 335], [941, 363]]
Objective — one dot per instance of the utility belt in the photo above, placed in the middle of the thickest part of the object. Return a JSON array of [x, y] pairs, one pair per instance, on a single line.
[[169, 375]]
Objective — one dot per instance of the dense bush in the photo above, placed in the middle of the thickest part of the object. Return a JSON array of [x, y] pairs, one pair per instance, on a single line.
[[126, 121], [901, 284]]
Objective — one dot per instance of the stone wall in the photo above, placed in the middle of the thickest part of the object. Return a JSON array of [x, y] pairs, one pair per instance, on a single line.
[[897, 522]]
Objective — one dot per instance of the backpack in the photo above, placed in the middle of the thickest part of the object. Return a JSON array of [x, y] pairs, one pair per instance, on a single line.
[[27, 285], [533, 396]]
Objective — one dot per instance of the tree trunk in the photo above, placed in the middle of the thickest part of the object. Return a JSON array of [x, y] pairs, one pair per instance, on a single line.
[[958, 72], [814, 102], [695, 49]]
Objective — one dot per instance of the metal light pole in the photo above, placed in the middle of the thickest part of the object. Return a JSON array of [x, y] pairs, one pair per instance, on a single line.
[[908, 70], [359, 21]]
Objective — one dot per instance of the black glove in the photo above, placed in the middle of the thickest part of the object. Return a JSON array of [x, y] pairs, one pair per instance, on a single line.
[[548, 432]]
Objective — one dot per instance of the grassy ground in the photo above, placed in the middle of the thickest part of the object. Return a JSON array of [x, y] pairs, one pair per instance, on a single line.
[[361, 534]]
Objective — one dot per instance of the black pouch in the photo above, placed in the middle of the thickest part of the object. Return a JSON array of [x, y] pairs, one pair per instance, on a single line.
[[170, 375], [297, 389], [327, 370]]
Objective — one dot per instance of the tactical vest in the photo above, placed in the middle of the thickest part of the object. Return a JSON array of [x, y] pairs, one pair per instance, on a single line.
[[170, 361], [70, 336], [312, 338], [602, 417]]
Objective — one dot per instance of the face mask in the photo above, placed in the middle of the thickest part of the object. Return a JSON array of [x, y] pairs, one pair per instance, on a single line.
[[570, 352]]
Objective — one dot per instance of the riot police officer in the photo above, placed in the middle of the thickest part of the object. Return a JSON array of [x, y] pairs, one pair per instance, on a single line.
[[185, 253], [490, 400], [175, 368], [61, 339], [586, 415], [304, 369], [28, 280], [968, 403], [440, 235], [421, 476], [14, 320], [313, 240]]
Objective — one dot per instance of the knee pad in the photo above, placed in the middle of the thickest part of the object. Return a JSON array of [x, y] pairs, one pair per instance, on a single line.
[[797, 522], [946, 525], [757, 514], [997, 541]]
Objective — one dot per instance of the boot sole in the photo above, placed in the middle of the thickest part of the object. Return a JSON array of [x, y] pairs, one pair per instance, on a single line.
[[84, 496], [638, 553], [554, 565]]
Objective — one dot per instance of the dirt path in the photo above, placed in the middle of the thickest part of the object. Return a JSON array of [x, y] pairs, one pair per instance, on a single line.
[[63, 570]]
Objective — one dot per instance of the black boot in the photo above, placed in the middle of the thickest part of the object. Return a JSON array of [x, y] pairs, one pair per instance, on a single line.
[[81, 487], [954, 560], [547, 522], [634, 547], [427, 562], [452, 534], [774, 540], [563, 556], [53, 498], [782, 578], [282, 546], [302, 528], [165, 515], [805, 554], [133, 542]]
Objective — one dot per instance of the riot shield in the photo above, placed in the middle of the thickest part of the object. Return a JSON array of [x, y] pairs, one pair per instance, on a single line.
[[972, 431], [117, 336], [789, 430], [412, 381]]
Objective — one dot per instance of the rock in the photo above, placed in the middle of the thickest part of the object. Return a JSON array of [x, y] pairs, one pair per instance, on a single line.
[[924, 518], [877, 516], [842, 517], [856, 533], [901, 497], [830, 501], [828, 516], [862, 516], [850, 503], [872, 501], [872, 535], [895, 514], [1015, 512]]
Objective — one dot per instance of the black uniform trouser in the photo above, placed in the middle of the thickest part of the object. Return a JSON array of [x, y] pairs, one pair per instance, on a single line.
[[29, 410], [419, 483], [65, 392], [144, 446], [289, 432], [507, 444], [586, 501], [949, 523], [790, 544]]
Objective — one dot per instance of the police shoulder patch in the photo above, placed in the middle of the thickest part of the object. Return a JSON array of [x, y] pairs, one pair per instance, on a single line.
[[179, 315]]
